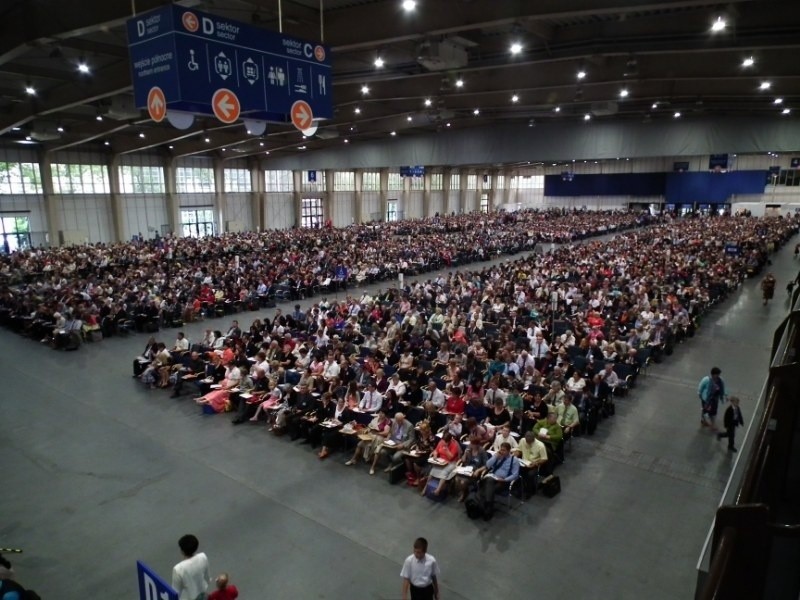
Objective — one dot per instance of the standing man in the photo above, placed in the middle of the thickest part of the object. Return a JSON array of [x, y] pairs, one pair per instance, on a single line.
[[711, 391], [420, 574], [190, 577], [731, 419]]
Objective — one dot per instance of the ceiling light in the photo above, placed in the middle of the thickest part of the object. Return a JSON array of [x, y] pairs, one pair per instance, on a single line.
[[30, 90], [352, 128], [778, 101], [365, 89], [261, 144], [786, 111], [408, 118], [476, 112], [677, 115], [357, 110], [748, 62], [346, 141], [718, 25], [428, 102], [581, 74], [28, 138], [171, 147], [83, 67], [267, 152], [587, 117], [623, 93], [516, 48], [207, 140], [557, 109], [99, 117], [15, 128], [224, 149], [409, 5], [459, 82], [448, 124], [765, 85], [60, 129], [654, 105], [301, 148], [378, 62], [141, 135], [515, 98], [107, 143], [248, 132], [393, 133]]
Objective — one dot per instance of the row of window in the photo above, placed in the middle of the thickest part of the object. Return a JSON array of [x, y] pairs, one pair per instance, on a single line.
[[25, 178]]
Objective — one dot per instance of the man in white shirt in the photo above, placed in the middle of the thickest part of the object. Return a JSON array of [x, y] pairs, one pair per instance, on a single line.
[[331, 370], [372, 400], [420, 574], [398, 386], [504, 436], [191, 576], [181, 344], [434, 394], [539, 347]]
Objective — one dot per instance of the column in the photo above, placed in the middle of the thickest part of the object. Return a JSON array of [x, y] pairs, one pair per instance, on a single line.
[[220, 204], [463, 175], [384, 192], [405, 197], [358, 197], [173, 203], [446, 191], [327, 198], [298, 197], [494, 197], [52, 202], [481, 187], [116, 198], [256, 192], [506, 195], [426, 195]]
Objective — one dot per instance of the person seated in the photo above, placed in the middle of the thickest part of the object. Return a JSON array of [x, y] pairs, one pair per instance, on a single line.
[[556, 395], [152, 375], [425, 443], [145, 358], [189, 369], [219, 399], [373, 438], [434, 394], [181, 344], [371, 401], [447, 450], [498, 415], [515, 405], [477, 431], [455, 404], [475, 409], [500, 472], [549, 432], [399, 437], [301, 404], [534, 452], [476, 457], [331, 436], [503, 436], [576, 383], [455, 426], [568, 417], [609, 377], [248, 406], [310, 428]]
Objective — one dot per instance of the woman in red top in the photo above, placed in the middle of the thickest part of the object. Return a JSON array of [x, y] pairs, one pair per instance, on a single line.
[[446, 450], [455, 404]]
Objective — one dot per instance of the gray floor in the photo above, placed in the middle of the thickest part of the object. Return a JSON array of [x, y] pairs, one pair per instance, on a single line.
[[99, 472]]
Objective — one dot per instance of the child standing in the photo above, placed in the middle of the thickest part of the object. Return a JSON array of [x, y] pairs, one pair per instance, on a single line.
[[224, 591], [732, 419]]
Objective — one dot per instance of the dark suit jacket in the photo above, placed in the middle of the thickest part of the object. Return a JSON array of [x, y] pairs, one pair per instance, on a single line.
[[733, 417]]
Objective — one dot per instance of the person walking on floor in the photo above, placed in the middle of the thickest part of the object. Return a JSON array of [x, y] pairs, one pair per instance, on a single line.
[[768, 287], [731, 420], [711, 391], [225, 590], [191, 576], [420, 574]]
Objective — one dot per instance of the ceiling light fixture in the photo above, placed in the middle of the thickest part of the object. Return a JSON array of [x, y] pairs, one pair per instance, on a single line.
[[718, 25], [107, 143], [677, 115], [365, 89], [778, 101], [557, 109], [357, 110], [409, 118], [346, 141], [587, 117], [448, 124], [765, 85], [516, 48], [459, 82], [786, 111], [208, 140], [409, 5], [623, 93], [60, 129], [748, 62], [428, 102], [83, 68], [581, 74], [30, 90], [393, 133], [515, 98], [654, 105], [267, 152], [261, 144], [141, 134], [378, 62], [476, 112], [171, 147], [302, 148], [99, 117]]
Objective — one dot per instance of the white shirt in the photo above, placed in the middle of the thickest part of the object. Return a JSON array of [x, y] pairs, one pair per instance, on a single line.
[[190, 577], [371, 401], [420, 573], [331, 370], [182, 344]]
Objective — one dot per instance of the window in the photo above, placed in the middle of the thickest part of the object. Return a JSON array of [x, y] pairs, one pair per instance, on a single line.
[[344, 181], [487, 181], [313, 181], [141, 180], [197, 223], [16, 233], [391, 210], [372, 182], [80, 179], [500, 182], [20, 178], [194, 180], [472, 182], [395, 182], [437, 181], [484, 203], [417, 183], [311, 213], [455, 181], [529, 182], [279, 181], [236, 180]]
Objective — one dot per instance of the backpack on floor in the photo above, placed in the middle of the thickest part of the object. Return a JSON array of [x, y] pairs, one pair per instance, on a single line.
[[474, 505]]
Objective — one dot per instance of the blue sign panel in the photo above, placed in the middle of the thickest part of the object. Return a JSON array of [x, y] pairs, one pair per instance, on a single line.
[[191, 54], [312, 176], [412, 171], [732, 249], [151, 586], [795, 163]]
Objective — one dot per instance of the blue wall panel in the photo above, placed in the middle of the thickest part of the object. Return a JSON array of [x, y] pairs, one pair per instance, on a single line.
[[714, 188], [621, 184]]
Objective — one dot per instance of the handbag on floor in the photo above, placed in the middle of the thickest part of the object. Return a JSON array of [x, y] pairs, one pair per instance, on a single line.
[[551, 486]]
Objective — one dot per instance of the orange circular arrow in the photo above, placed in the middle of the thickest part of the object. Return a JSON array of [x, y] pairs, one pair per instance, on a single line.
[[301, 114], [226, 105], [156, 104]]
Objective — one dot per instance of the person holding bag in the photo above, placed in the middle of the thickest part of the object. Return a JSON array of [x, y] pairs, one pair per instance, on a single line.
[[711, 392]]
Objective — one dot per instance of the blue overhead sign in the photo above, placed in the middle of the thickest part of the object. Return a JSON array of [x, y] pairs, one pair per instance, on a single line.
[[417, 171], [191, 54]]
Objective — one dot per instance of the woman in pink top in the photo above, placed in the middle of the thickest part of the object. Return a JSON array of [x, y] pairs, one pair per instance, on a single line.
[[446, 450]]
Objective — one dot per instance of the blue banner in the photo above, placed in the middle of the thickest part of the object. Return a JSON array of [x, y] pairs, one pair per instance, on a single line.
[[151, 586], [417, 171], [191, 54]]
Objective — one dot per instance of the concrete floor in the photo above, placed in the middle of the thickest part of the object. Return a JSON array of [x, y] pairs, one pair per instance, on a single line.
[[99, 472]]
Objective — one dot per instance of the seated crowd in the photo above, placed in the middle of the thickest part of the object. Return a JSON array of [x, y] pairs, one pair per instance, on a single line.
[[485, 371]]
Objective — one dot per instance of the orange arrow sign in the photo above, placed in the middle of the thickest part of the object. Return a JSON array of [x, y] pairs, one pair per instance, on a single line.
[[302, 116], [156, 104], [226, 105]]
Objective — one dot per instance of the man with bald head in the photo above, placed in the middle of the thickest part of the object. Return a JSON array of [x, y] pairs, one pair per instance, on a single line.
[[400, 438]]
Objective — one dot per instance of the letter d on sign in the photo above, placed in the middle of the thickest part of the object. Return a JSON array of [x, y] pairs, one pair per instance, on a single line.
[[208, 26], [140, 28], [150, 589]]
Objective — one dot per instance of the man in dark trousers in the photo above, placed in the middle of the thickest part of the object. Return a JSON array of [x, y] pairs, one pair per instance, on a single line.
[[731, 419], [420, 574]]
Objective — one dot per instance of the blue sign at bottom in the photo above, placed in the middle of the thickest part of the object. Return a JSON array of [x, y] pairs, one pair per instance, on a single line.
[[151, 586]]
